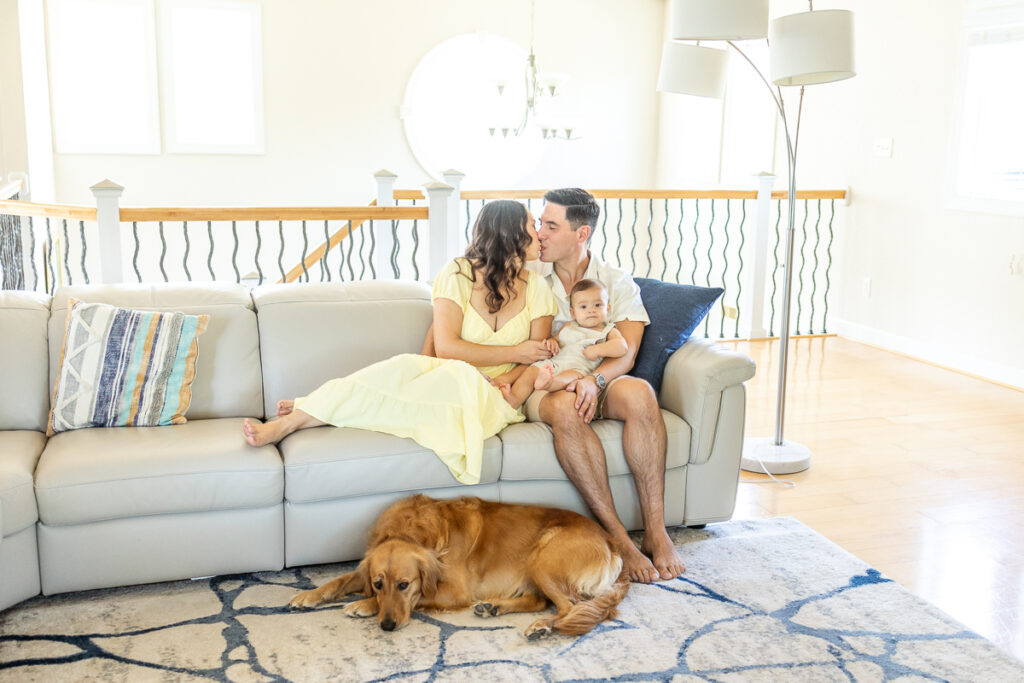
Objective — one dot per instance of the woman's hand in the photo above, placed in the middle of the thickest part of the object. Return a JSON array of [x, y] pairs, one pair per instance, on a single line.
[[531, 351]]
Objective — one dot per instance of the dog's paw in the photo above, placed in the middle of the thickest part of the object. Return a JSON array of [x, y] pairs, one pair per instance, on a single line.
[[305, 599], [538, 630], [485, 609], [361, 608]]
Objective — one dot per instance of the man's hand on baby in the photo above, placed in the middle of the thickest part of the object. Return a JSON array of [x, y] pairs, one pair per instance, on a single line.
[[532, 351]]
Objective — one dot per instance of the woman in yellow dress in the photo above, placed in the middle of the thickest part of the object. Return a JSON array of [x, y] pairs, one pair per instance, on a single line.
[[492, 318]]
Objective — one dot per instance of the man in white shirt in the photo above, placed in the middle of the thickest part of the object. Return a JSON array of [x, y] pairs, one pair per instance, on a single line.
[[564, 233]]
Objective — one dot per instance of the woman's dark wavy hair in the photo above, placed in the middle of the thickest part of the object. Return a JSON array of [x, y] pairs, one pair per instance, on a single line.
[[498, 249]]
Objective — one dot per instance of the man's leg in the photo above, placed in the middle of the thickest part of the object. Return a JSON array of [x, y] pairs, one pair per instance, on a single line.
[[580, 454], [632, 401]]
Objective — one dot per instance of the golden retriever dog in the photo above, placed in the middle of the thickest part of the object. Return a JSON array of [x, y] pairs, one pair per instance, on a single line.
[[446, 555]]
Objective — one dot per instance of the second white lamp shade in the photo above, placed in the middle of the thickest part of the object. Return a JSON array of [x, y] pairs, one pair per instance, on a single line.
[[693, 70], [718, 19], [811, 47]]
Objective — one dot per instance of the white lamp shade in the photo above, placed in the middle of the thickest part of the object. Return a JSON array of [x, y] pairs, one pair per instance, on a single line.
[[692, 70], [718, 19], [811, 47]]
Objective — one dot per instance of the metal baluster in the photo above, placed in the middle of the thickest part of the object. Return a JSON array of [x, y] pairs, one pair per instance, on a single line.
[[234, 253], [341, 253], [632, 259], [67, 248], [828, 267], [664, 244], [351, 243], [696, 239], [711, 244], [280, 252], [739, 281], [800, 289], [362, 245], [415, 248], [163, 250], [373, 252], [467, 221], [209, 256], [188, 247], [52, 284], [323, 260], [604, 222], [256, 257], [305, 249], [135, 255], [775, 271], [32, 251], [618, 235], [394, 248], [814, 271], [679, 249], [725, 267], [650, 238], [81, 231]]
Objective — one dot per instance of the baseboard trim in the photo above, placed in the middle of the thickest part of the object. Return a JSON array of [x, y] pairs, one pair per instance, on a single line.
[[915, 349]]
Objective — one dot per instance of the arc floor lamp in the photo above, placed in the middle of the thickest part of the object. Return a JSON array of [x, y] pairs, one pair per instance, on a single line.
[[804, 49]]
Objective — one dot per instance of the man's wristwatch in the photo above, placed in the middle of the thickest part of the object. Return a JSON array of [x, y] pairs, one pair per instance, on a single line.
[[600, 380]]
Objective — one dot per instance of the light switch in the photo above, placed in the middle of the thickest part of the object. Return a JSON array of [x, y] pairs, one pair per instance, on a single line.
[[883, 147]]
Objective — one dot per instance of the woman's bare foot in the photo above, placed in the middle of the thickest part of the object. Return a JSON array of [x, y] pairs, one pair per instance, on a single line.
[[545, 373], [635, 564], [285, 408], [662, 552], [260, 434]]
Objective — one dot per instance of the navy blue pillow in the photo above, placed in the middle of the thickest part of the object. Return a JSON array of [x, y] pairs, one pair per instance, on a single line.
[[675, 311]]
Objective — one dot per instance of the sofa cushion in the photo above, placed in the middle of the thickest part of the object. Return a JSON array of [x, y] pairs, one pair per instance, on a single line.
[[528, 451], [229, 382], [310, 333], [97, 474], [121, 367], [327, 463], [23, 360], [19, 452]]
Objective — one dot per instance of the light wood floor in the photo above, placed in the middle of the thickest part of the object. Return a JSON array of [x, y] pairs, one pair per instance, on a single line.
[[917, 470]]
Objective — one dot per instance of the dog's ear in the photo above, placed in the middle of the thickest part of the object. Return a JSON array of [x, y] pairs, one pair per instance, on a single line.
[[364, 575], [430, 573]]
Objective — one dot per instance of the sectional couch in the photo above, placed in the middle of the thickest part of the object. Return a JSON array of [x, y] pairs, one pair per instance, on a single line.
[[96, 508]]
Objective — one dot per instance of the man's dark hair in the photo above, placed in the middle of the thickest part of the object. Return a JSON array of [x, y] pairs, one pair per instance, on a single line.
[[580, 206]]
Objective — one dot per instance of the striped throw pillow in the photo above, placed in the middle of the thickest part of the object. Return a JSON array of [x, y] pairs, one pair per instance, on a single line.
[[121, 367]]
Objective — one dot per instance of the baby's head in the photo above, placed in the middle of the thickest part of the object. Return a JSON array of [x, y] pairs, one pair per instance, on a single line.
[[588, 303]]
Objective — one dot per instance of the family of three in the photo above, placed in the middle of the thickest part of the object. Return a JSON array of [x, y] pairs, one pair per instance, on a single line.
[[490, 357]]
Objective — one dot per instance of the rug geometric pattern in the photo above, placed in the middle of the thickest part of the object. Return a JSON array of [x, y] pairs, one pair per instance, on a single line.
[[760, 600]]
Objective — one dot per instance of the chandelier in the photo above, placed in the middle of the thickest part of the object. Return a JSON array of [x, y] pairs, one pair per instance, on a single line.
[[538, 88]]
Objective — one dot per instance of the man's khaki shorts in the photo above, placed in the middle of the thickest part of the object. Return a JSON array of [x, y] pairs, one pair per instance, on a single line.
[[532, 406]]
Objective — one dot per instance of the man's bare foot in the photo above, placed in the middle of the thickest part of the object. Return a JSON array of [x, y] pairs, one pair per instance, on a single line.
[[635, 564], [285, 408], [545, 373], [260, 434], [659, 547]]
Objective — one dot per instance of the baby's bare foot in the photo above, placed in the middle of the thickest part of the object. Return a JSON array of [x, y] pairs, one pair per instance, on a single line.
[[545, 373], [285, 408]]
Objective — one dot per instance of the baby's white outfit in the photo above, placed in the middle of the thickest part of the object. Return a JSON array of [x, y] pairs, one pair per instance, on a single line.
[[572, 339]]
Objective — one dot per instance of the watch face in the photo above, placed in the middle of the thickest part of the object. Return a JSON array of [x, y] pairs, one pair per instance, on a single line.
[[601, 381]]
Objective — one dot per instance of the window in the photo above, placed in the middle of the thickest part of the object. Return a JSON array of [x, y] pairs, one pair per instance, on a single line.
[[213, 77], [987, 155], [103, 76]]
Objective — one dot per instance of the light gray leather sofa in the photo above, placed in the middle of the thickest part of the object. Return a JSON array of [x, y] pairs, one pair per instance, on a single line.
[[96, 508]]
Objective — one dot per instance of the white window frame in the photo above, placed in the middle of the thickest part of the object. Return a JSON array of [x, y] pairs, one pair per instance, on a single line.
[[979, 15], [152, 144], [171, 142]]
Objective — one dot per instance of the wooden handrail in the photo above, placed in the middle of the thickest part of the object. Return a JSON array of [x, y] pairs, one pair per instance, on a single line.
[[68, 211], [635, 194], [276, 213], [10, 189]]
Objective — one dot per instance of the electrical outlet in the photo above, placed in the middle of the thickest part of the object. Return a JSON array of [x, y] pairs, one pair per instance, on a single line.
[[731, 312], [866, 287], [883, 147]]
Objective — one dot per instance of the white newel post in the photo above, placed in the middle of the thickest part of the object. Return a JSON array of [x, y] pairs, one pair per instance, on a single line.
[[755, 284], [385, 241], [454, 178], [108, 220], [443, 239]]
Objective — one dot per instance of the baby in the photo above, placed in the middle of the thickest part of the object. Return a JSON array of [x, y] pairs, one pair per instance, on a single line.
[[580, 347]]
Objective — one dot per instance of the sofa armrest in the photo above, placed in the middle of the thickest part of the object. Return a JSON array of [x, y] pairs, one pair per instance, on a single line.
[[695, 377]]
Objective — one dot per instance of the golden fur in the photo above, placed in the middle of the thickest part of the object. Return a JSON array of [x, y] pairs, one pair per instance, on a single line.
[[495, 557]]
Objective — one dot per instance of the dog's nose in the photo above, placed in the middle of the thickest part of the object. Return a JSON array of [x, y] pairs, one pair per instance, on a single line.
[[387, 624]]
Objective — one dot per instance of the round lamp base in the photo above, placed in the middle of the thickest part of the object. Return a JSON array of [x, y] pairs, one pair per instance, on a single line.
[[763, 456]]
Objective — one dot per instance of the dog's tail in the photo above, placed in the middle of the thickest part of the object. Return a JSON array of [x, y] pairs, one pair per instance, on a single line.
[[587, 614]]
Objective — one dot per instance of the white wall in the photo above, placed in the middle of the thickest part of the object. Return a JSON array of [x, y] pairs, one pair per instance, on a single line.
[[13, 150], [334, 77]]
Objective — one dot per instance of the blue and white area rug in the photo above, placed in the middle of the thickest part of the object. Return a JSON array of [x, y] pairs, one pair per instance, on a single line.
[[761, 600]]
